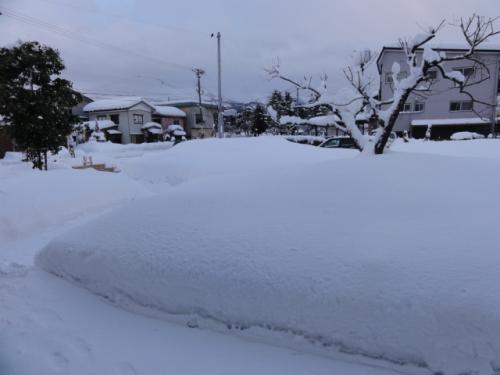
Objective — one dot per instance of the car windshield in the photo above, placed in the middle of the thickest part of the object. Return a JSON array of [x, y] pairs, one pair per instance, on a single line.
[[332, 143]]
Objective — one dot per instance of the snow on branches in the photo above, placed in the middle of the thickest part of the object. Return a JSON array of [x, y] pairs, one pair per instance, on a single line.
[[421, 60]]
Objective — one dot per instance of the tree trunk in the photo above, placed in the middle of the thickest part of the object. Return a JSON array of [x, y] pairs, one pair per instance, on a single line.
[[45, 160]]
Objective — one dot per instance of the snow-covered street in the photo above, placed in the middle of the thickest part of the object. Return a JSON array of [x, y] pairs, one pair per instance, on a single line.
[[50, 325]]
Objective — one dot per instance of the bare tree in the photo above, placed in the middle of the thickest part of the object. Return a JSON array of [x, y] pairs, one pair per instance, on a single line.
[[420, 58]]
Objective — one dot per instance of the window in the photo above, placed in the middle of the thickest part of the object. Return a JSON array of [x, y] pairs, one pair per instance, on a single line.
[[115, 119], [407, 107], [419, 107], [468, 73], [199, 118], [138, 119], [402, 75], [177, 122], [465, 105], [389, 77], [102, 117], [498, 84], [332, 143], [432, 74]]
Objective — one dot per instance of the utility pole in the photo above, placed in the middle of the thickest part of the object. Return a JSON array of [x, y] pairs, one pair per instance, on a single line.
[[496, 103], [199, 72], [220, 117]]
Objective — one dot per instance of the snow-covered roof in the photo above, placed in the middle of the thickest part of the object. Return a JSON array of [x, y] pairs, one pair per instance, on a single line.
[[113, 104], [452, 46], [151, 124], [102, 124], [459, 47], [174, 127], [165, 110], [230, 112], [155, 131], [452, 121], [179, 133], [327, 120], [187, 103]]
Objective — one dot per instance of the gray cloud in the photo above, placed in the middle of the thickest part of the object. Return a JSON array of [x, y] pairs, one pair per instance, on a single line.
[[142, 42]]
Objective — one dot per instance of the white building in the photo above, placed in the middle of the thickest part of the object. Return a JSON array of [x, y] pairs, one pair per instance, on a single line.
[[129, 115]]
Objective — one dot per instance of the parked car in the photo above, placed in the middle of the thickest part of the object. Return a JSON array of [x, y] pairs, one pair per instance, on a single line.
[[392, 137], [339, 142]]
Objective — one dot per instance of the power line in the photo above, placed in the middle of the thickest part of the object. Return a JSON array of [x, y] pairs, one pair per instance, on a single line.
[[121, 17], [78, 36]]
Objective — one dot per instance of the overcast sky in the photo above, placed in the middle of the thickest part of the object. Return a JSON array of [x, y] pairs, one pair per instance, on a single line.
[[148, 47]]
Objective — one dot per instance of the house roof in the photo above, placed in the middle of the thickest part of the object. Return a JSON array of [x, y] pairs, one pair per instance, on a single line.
[[114, 104], [165, 110], [450, 47], [187, 103]]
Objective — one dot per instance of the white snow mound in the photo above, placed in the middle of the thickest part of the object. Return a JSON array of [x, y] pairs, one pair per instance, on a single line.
[[463, 136], [394, 257]]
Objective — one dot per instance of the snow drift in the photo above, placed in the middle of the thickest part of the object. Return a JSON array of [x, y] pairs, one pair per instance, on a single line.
[[394, 257]]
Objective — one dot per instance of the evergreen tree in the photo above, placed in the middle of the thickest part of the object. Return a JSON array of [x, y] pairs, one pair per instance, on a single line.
[[287, 104], [276, 100], [259, 121], [35, 101]]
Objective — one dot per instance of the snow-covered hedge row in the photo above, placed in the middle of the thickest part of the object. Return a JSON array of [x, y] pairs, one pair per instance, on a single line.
[[385, 257]]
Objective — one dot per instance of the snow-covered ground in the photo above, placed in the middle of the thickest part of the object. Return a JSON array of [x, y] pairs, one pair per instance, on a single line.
[[362, 263]]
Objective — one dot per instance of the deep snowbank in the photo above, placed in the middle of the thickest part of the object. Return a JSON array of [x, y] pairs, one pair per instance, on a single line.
[[215, 157], [393, 257], [32, 201]]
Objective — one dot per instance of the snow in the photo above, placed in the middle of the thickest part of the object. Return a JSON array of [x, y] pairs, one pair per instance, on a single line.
[[155, 131], [230, 112], [430, 54], [101, 124], [327, 120], [452, 46], [110, 104], [332, 257], [169, 111], [309, 139], [149, 125], [461, 136], [456, 75], [293, 120], [404, 282], [451, 121], [49, 326], [174, 127]]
